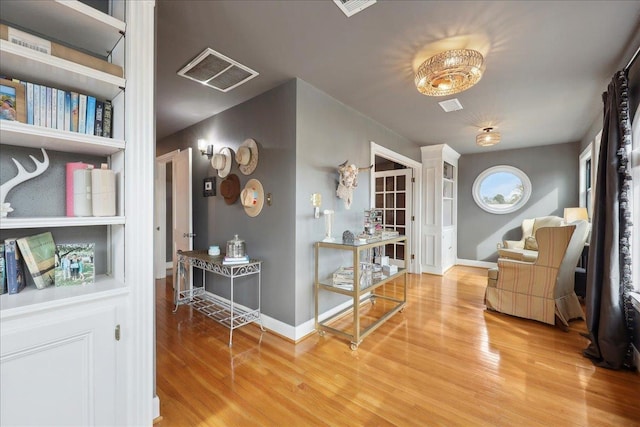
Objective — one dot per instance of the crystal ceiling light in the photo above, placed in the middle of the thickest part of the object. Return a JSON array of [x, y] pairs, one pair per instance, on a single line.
[[449, 72], [487, 137]]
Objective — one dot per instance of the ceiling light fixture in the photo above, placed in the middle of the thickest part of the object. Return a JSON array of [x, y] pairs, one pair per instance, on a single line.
[[449, 72], [487, 137]]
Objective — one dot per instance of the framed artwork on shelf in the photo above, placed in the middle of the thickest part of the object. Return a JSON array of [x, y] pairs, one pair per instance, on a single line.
[[74, 264], [12, 101]]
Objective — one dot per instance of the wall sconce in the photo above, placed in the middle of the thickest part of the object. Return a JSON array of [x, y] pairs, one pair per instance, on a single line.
[[205, 148], [316, 201]]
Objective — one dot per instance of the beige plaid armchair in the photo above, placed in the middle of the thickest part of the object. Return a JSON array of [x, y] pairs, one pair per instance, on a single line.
[[542, 289]]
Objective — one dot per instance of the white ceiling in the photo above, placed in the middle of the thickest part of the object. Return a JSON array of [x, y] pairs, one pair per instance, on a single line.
[[547, 62]]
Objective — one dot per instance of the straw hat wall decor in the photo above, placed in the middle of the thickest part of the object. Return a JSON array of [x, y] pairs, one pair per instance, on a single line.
[[247, 156], [252, 197], [230, 189], [222, 162]]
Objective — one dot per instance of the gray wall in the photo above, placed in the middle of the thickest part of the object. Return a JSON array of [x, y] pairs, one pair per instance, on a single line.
[[328, 133], [302, 134], [270, 120], [553, 171]]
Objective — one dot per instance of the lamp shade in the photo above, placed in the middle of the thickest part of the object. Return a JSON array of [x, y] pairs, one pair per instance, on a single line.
[[449, 72], [574, 214], [487, 137]]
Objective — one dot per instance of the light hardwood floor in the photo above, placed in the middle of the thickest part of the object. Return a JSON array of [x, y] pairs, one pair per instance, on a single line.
[[444, 361]]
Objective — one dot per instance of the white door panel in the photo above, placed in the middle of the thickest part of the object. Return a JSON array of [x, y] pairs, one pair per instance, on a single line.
[[394, 195], [62, 372], [182, 206]]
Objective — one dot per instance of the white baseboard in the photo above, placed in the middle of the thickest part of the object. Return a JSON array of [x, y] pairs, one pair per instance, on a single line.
[[156, 407], [636, 358], [169, 265], [296, 333], [474, 263], [293, 333]]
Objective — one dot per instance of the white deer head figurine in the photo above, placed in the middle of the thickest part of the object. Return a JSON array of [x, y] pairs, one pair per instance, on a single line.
[[21, 177], [348, 181]]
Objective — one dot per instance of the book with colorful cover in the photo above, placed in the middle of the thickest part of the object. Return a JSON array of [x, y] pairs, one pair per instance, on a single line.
[[43, 105], [67, 111], [48, 107], [36, 105], [39, 253], [235, 260], [16, 280], [60, 118], [75, 105], [99, 116], [29, 103], [75, 264], [54, 108], [91, 115], [82, 113], [3, 276], [106, 119]]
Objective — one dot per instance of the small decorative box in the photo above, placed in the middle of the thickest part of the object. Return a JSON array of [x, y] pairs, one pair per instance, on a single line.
[[348, 237]]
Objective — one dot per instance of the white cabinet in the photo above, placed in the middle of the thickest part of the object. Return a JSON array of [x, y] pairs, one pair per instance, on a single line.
[[60, 368], [61, 360], [440, 210]]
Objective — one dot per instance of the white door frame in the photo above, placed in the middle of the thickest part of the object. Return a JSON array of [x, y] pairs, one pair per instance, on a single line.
[[416, 202], [160, 215]]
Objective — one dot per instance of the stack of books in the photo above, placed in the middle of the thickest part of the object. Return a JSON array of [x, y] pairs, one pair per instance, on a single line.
[[343, 278], [235, 260], [388, 234]]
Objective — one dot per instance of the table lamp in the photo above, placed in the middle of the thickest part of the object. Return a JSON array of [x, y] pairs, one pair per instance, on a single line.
[[574, 214]]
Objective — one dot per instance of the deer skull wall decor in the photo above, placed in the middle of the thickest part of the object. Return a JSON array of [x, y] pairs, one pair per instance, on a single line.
[[21, 177], [348, 181]]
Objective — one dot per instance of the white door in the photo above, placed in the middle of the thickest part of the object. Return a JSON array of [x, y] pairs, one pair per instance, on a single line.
[[159, 219], [182, 211], [393, 194]]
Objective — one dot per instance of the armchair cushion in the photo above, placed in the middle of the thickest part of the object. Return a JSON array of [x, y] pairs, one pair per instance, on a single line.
[[518, 254], [522, 249], [531, 244], [546, 221]]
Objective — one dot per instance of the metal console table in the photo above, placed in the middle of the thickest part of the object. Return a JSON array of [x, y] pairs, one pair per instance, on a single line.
[[223, 311], [359, 292]]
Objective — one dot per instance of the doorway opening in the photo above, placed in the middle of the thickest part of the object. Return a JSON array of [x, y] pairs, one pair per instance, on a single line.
[[173, 210], [395, 188]]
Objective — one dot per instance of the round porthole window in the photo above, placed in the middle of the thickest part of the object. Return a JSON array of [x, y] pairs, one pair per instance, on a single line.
[[501, 189]]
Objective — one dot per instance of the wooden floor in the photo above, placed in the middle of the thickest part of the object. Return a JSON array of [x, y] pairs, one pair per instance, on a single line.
[[444, 361]]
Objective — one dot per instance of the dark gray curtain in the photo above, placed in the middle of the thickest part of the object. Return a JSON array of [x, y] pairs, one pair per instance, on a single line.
[[608, 305]]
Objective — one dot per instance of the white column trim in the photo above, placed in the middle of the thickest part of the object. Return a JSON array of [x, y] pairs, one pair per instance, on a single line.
[[138, 332]]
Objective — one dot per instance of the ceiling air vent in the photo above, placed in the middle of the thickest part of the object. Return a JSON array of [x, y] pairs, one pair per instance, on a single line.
[[450, 105], [351, 7], [217, 71]]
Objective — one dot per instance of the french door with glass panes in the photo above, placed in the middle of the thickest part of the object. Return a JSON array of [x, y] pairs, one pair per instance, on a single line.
[[393, 196]]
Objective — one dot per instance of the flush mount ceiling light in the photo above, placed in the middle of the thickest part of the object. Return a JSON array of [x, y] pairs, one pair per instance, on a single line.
[[487, 137], [449, 72]]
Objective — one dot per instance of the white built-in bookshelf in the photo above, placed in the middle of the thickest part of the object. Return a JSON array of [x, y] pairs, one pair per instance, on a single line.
[[83, 27], [80, 346], [440, 192]]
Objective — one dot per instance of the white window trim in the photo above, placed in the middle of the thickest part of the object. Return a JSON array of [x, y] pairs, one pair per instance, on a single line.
[[586, 155], [526, 183]]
